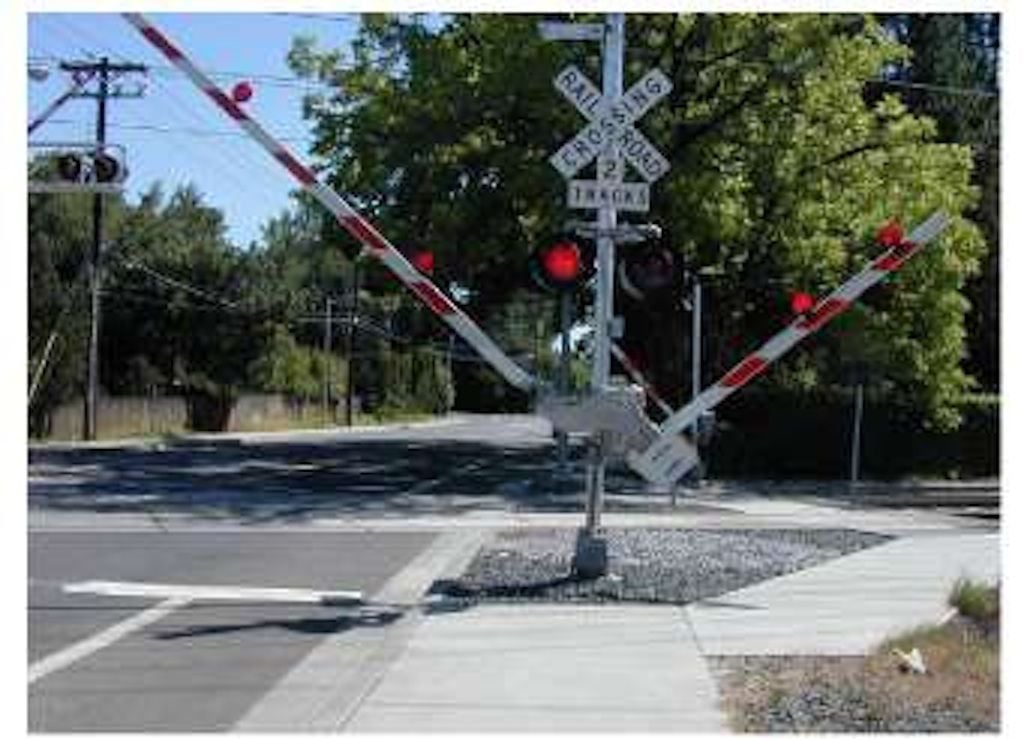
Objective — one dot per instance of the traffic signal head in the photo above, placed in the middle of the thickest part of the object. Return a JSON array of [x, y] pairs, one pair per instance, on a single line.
[[561, 265], [98, 167], [562, 262], [69, 167], [647, 271], [105, 168]]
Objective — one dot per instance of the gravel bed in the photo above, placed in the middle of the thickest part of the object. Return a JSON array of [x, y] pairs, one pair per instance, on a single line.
[[830, 695], [646, 565]]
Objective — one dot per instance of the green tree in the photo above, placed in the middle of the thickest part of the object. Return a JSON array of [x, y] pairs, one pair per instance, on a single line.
[[175, 313], [59, 247], [782, 171], [953, 77]]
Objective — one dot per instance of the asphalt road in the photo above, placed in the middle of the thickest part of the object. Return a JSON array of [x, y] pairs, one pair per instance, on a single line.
[[476, 461], [200, 665], [234, 512]]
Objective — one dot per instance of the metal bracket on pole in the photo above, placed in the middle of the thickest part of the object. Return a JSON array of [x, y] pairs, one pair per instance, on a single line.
[[623, 233]]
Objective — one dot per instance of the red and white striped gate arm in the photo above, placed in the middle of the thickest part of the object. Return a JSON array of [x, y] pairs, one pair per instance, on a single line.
[[347, 216], [638, 377], [823, 311]]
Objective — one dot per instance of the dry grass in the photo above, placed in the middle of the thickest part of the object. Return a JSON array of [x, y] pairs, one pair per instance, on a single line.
[[959, 692]]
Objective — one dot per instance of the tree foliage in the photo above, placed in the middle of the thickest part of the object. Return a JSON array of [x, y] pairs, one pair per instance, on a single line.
[[783, 166]]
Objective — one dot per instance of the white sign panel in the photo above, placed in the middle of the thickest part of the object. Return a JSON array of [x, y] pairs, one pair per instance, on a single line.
[[554, 31], [635, 102], [595, 194], [603, 133], [610, 124]]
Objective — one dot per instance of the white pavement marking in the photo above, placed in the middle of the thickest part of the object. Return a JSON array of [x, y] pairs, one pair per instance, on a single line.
[[215, 592], [67, 657], [323, 690]]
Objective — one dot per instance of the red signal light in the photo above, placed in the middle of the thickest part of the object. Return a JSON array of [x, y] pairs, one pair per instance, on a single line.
[[801, 302], [889, 235], [423, 261], [563, 262], [242, 92]]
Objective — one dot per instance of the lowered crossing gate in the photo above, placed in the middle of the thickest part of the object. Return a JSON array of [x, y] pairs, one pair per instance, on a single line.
[[664, 462]]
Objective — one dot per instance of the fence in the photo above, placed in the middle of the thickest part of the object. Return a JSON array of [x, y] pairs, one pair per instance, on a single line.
[[150, 416]]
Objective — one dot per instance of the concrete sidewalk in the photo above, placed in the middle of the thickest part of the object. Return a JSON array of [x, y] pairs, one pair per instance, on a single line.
[[594, 668], [527, 668], [850, 604]]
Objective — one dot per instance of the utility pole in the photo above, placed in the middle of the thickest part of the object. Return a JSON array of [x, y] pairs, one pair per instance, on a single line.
[[327, 358], [103, 71]]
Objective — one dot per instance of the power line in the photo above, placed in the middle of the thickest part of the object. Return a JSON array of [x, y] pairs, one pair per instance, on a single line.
[[183, 130], [268, 78], [329, 18], [218, 303]]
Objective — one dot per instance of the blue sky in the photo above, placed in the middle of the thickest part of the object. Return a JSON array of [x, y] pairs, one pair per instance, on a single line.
[[175, 134]]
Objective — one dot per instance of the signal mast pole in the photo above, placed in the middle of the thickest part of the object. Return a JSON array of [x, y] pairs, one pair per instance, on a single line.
[[604, 309]]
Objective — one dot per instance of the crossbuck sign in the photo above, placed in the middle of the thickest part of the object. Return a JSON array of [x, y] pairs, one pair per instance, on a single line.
[[609, 137]]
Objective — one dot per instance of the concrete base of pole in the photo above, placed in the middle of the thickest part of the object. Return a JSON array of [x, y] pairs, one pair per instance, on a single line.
[[591, 558]]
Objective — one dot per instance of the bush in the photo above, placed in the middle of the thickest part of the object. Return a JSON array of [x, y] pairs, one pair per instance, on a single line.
[[976, 601], [768, 433]]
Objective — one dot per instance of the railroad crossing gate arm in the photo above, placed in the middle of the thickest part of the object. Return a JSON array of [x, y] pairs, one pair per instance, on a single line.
[[373, 242], [666, 460]]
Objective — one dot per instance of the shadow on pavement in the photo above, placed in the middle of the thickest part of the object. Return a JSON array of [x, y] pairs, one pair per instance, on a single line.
[[306, 625], [291, 482]]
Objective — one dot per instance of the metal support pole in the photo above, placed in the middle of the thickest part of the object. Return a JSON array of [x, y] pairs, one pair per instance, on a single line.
[[696, 344], [327, 359], [858, 413], [565, 325], [591, 551], [604, 309], [353, 313]]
